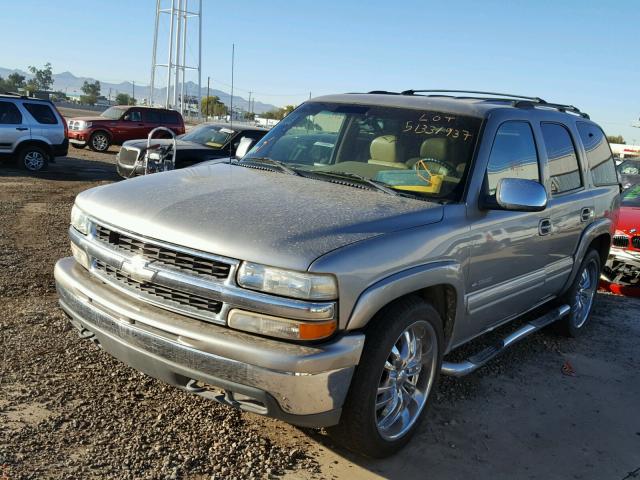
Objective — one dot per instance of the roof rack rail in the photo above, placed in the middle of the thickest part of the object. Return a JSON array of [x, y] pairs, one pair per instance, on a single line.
[[557, 106], [382, 92], [475, 92]]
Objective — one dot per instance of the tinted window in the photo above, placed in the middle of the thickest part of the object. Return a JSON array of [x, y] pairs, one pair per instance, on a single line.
[[513, 155], [629, 167], [151, 116], [603, 170], [133, 116], [563, 162], [41, 112], [169, 117], [9, 114]]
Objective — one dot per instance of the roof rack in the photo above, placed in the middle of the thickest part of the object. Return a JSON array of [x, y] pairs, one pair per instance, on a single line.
[[518, 101], [12, 94]]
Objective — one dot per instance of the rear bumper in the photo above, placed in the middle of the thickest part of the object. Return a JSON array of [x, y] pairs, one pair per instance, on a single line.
[[303, 385], [62, 149]]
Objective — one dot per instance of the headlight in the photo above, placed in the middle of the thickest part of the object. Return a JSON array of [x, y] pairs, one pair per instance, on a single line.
[[303, 285], [84, 125], [79, 220], [280, 327]]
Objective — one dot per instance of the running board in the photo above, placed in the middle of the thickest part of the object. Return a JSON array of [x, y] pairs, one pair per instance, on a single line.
[[479, 359]]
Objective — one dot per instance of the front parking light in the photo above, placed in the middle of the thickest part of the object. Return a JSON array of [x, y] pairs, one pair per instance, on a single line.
[[280, 327]]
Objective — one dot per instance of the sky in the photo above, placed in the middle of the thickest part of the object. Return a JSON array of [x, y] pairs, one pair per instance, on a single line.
[[580, 52]]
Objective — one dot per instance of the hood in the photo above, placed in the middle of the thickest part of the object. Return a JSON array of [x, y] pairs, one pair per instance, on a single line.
[[249, 214], [180, 144], [95, 118], [628, 219]]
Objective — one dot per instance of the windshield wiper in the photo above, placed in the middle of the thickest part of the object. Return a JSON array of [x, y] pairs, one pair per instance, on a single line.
[[270, 161], [372, 183]]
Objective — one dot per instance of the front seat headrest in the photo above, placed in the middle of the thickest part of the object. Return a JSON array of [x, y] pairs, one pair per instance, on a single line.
[[435, 148], [383, 150]]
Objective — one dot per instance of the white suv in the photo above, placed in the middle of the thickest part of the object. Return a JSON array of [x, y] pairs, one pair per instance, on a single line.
[[32, 131]]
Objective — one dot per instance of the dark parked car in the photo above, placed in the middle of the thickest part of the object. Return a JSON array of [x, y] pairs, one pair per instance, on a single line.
[[118, 124], [629, 172], [205, 142]]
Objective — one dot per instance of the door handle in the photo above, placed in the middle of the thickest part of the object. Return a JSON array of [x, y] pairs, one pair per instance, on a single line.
[[22, 129], [545, 227], [585, 214]]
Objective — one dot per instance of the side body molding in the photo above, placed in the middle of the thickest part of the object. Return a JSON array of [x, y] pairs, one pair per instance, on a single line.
[[602, 226], [395, 286]]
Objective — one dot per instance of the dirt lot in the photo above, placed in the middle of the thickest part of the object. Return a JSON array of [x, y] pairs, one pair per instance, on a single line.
[[67, 410]]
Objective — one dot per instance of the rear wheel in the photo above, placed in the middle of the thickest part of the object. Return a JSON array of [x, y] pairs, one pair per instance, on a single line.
[[393, 382], [581, 295], [33, 159], [99, 141]]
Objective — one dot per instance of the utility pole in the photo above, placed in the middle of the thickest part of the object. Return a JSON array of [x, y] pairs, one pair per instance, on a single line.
[[133, 91], [208, 82], [249, 102], [109, 94], [233, 59]]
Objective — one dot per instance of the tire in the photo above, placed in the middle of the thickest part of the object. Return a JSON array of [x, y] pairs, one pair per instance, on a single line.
[[99, 141], [33, 158], [75, 145], [381, 379], [581, 295]]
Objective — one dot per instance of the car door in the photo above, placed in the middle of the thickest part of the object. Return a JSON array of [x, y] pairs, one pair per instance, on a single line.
[[508, 249], [151, 120], [133, 125], [570, 206], [13, 128]]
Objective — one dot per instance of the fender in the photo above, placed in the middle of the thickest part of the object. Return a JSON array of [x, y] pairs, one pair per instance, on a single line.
[[404, 282], [602, 226]]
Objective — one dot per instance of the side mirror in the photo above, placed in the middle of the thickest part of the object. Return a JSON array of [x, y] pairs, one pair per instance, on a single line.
[[243, 147], [519, 195]]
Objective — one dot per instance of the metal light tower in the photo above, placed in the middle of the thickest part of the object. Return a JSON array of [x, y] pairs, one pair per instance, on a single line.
[[181, 18]]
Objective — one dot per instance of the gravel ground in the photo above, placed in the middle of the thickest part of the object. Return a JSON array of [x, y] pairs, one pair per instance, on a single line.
[[69, 411]]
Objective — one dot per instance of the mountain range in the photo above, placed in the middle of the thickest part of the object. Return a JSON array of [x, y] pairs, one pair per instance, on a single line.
[[69, 83]]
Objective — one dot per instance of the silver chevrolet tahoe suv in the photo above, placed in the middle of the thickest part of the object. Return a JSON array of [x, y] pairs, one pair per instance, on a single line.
[[324, 278], [32, 132]]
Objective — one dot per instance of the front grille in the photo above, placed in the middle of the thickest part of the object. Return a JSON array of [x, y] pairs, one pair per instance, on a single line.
[[161, 293], [635, 241], [128, 156], [179, 260], [621, 241]]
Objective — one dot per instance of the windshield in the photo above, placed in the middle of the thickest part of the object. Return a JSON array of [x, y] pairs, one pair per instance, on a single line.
[[631, 196], [629, 167], [210, 135], [113, 113], [417, 152]]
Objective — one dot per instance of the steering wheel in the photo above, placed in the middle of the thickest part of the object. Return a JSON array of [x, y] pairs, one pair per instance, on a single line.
[[448, 168]]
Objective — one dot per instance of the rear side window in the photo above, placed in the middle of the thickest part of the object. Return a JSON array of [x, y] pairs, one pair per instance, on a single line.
[[170, 117], [513, 155], [9, 114], [41, 112], [563, 161], [151, 116], [603, 170]]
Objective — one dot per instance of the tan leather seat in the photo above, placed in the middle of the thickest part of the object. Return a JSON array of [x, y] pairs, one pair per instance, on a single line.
[[435, 148], [384, 151]]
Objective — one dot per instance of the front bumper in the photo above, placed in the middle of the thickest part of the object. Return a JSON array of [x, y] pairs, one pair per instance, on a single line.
[[79, 137], [301, 384]]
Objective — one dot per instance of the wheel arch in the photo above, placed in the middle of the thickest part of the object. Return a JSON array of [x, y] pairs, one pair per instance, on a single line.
[[440, 284], [34, 142]]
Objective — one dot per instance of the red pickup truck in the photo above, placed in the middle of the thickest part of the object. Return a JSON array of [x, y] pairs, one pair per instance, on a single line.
[[118, 124]]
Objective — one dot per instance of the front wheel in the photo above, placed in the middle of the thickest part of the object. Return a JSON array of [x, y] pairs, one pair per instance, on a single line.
[[393, 382], [33, 159], [580, 296], [99, 142]]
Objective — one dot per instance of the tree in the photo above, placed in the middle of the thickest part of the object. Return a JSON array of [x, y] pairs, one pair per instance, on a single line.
[[42, 78], [12, 83], [125, 99], [213, 106], [280, 113], [615, 139], [91, 92], [58, 96]]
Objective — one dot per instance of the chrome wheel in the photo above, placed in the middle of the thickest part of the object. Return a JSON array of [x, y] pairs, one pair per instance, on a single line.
[[100, 142], [34, 160], [406, 380], [587, 286]]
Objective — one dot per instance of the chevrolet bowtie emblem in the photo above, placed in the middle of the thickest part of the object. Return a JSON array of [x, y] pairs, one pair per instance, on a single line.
[[137, 269]]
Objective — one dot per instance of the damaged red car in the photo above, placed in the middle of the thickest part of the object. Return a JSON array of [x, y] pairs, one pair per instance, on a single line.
[[623, 265]]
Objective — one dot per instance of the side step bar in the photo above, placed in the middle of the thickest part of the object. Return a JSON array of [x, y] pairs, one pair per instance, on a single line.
[[481, 358]]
